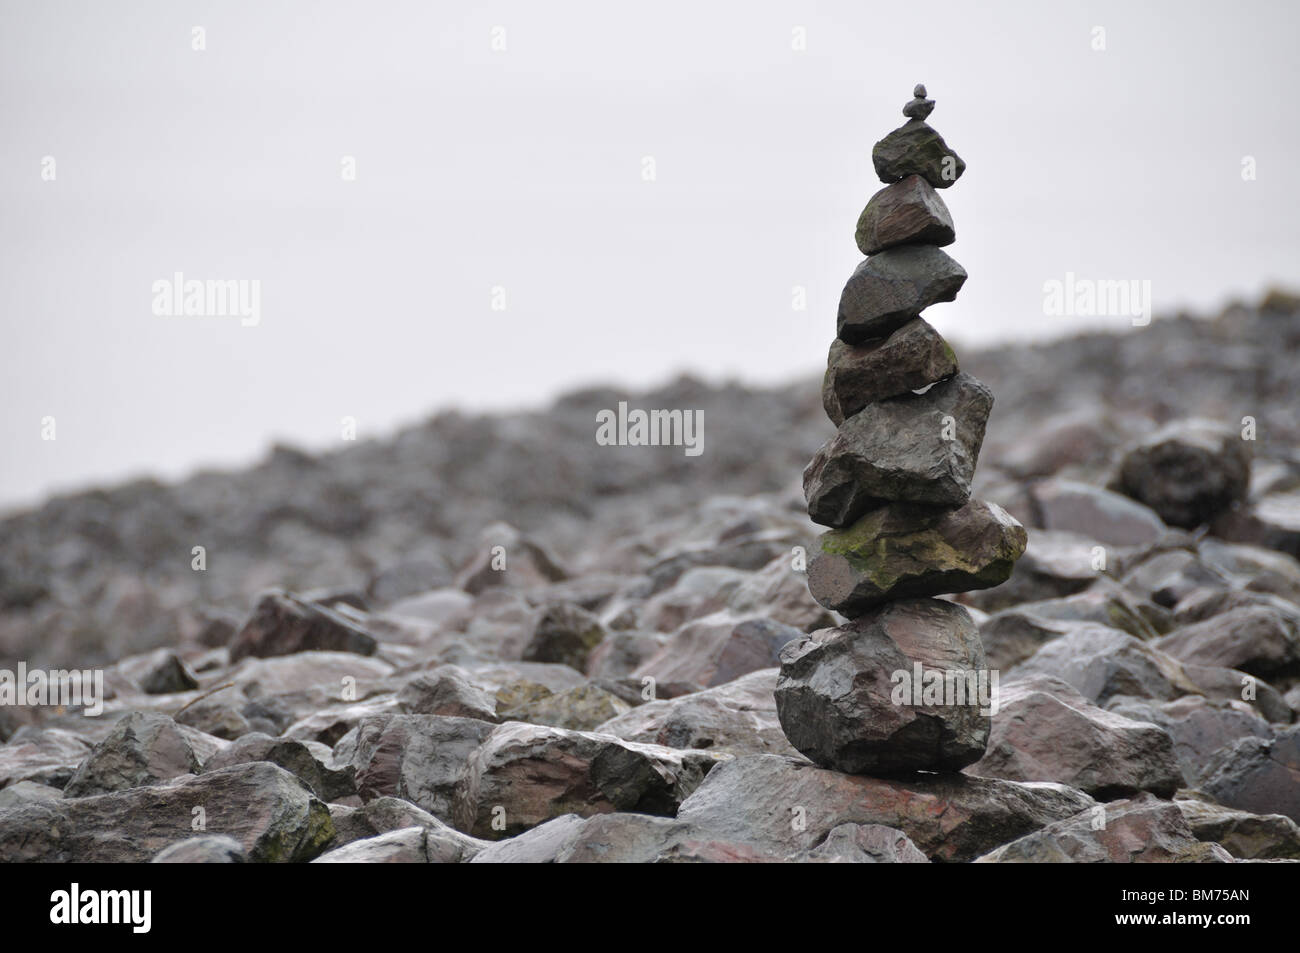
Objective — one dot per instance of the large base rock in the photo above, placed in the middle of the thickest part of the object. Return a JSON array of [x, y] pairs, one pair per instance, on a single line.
[[910, 551], [846, 697]]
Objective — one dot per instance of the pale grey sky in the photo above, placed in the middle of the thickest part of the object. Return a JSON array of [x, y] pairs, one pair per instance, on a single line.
[[522, 169]]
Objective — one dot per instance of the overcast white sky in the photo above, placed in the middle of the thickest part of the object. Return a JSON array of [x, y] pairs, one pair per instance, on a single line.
[[522, 169]]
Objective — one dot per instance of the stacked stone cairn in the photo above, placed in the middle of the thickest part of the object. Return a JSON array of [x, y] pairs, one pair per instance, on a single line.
[[890, 692]]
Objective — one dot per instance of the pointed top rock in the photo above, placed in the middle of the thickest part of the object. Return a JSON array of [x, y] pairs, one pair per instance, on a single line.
[[918, 107]]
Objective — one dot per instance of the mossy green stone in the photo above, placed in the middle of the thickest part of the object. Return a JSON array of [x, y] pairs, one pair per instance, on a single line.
[[908, 551]]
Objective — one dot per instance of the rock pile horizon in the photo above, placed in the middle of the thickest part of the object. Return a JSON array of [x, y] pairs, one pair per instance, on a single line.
[[894, 487]]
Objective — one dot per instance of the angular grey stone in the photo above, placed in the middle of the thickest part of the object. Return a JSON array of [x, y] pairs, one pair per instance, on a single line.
[[1044, 730], [640, 838], [524, 774], [581, 708], [565, 635], [899, 450], [48, 756], [1102, 663], [168, 677], [27, 792], [950, 817], [327, 783], [1255, 639], [1258, 775], [420, 758], [143, 748], [285, 624], [847, 700], [527, 562], [911, 358], [379, 816], [1198, 726], [887, 290], [918, 108], [217, 717], [1244, 835], [424, 841], [1096, 513], [715, 650], [904, 550], [265, 808], [538, 845], [909, 212], [916, 149], [447, 690], [1137, 831], [738, 717]]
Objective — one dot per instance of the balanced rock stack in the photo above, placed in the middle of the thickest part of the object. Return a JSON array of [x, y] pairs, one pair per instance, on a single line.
[[895, 486]]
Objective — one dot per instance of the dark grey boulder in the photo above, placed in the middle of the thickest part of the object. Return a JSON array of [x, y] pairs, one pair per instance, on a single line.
[[565, 634], [1189, 471], [889, 289], [272, 815], [420, 758], [523, 775], [854, 698], [1198, 726], [447, 690], [1257, 774], [284, 624], [909, 212], [326, 782], [168, 676], [919, 448], [916, 149], [911, 358]]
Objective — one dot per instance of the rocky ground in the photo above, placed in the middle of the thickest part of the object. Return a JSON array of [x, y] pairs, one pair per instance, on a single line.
[[353, 677]]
